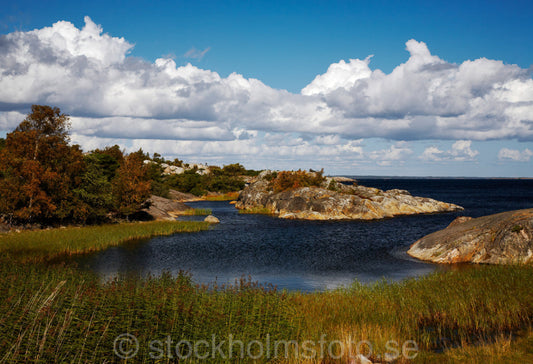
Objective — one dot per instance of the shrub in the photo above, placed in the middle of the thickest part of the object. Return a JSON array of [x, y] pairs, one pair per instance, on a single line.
[[333, 186], [287, 180]]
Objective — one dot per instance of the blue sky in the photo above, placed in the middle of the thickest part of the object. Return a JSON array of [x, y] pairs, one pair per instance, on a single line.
[[356, 120]]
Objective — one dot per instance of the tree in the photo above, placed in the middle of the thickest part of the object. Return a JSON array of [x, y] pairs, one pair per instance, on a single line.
[[154, 173], [106, 162], [131, 187], [115, 152], [95, 191], [234, 169], [39, 167]]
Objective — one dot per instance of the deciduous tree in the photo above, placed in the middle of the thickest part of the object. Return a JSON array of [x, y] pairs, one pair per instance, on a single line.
[[39, 168], [131, 186]]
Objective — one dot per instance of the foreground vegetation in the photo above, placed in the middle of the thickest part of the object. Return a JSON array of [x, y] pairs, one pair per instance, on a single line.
[[46, 245], [61, 314]]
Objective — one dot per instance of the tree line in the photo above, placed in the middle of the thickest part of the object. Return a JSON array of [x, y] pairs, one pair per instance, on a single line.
[[45, 179]]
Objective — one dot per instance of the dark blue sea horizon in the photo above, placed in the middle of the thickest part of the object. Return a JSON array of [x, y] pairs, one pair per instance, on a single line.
[[313, 255]]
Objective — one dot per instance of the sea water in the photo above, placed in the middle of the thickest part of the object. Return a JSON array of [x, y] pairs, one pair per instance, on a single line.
[[312, 255]]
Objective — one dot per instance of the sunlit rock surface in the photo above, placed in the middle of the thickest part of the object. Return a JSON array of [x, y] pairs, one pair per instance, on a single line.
[[503, 238], [336, 202]]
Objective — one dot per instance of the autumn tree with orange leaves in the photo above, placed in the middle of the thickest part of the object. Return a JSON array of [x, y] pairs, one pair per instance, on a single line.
[[131, 186], [44, 179], [39, 168]]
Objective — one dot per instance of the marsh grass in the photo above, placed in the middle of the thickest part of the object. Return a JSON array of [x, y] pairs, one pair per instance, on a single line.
[[57, 313], [229, 196], [45, 245], [454, 309], [509, 349], [197, 212], [60, 314], [256, 210]]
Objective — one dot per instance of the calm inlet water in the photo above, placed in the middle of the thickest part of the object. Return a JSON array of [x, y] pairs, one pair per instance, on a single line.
[[311, 255]]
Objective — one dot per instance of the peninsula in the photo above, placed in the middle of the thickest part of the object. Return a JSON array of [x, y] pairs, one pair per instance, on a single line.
[[310, 196]]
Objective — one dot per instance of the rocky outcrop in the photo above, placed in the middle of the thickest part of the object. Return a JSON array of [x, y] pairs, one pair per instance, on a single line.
[[343, 179], [169, 169], [211, 219], [182, 197], [335, 201], [164, 209], [503, 238]]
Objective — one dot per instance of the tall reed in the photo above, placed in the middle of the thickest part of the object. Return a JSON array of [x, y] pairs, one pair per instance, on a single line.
[[229, 196], [42, 245], [196, 212], [60, 314]]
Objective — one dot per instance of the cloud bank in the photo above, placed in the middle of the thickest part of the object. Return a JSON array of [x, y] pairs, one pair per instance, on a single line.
[[113, 96]]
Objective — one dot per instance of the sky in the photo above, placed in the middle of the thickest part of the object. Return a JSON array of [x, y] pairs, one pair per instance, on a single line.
[[393, 88]]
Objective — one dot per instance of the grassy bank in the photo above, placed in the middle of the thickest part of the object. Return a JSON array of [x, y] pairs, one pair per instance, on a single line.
[[45, 245], [256, 210], [197, 212], [229, 196], [59, 314]]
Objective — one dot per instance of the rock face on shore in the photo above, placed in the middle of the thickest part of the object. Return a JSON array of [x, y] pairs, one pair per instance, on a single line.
[[182, 197], [335, 201], [503, 238], [164, 209]]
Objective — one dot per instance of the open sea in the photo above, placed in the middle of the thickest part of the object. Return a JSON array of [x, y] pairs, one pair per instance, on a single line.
[[312, 255]]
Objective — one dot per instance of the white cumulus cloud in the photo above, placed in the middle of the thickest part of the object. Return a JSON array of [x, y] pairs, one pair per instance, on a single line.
[[460, 151], [506, 154], [113, 96], [395, 153]]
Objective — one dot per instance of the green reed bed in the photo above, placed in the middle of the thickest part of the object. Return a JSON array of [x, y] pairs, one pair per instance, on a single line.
[[256, 210], [43, 245], [197, 212], [229, 196], [61, 314]]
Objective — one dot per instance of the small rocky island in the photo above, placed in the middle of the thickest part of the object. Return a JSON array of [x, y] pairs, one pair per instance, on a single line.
[[310, 196], [504, 238]]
